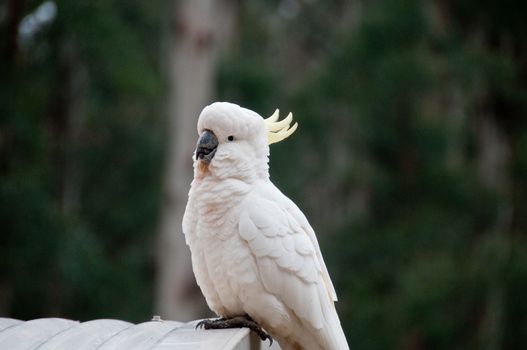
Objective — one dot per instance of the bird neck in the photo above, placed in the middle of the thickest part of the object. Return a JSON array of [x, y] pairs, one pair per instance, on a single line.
[[248, 171]]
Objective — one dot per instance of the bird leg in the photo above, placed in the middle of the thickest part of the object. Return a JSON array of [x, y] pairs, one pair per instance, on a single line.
[[236, 322]]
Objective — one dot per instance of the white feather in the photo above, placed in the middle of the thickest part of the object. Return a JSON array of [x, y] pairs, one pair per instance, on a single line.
[[253, 251]]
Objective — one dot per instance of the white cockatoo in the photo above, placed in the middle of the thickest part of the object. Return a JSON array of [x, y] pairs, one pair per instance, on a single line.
[[254, 254]]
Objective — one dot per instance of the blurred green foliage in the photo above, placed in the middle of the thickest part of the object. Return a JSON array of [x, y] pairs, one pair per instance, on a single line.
[[92, 257], [388, 163]]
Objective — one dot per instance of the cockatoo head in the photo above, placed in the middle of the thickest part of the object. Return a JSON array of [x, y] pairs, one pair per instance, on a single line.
[[234, 141]]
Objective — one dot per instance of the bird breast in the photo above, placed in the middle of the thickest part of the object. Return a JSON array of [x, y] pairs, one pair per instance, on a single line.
[[216, 203], [222, 257]]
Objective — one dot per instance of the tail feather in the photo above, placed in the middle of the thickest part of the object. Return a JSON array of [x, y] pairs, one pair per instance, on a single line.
[[304, 336], [332, 334]]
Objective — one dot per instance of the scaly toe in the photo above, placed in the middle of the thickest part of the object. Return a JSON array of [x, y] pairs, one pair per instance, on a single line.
[[208, 323]]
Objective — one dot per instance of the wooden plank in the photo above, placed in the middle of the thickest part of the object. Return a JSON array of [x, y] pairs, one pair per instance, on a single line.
[[141, 336], [85, 336], [8, 322], [62, 334], [188, 337], [30, 334]]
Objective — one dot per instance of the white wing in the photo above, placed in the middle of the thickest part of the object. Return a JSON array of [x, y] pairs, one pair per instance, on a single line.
[[300, 218], [290, 264]]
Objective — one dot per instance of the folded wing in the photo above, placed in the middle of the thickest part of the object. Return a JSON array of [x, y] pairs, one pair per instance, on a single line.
[[290, 264]]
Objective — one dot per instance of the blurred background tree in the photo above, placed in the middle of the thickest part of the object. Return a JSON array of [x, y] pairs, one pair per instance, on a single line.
[[410, 160], [81, 149]]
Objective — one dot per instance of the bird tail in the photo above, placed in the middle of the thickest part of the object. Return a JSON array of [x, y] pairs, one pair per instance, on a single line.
[[332, 333]]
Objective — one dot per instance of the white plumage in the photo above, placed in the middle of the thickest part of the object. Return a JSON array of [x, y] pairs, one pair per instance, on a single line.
[[253, 250]]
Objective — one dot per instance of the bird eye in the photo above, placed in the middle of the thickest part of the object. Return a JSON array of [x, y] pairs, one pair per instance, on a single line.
[[230, 138]]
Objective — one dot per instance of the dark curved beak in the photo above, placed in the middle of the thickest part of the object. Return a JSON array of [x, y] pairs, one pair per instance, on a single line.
[[206, 147]]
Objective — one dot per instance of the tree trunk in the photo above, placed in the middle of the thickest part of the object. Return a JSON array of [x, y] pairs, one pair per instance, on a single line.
[[197, 30], [14, 12], [74, 81], [493, 161]]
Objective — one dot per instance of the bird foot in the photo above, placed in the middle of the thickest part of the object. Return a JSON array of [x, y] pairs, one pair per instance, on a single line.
[[236, 322]]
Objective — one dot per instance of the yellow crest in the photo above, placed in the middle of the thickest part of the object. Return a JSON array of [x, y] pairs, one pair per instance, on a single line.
[[279, 130]]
